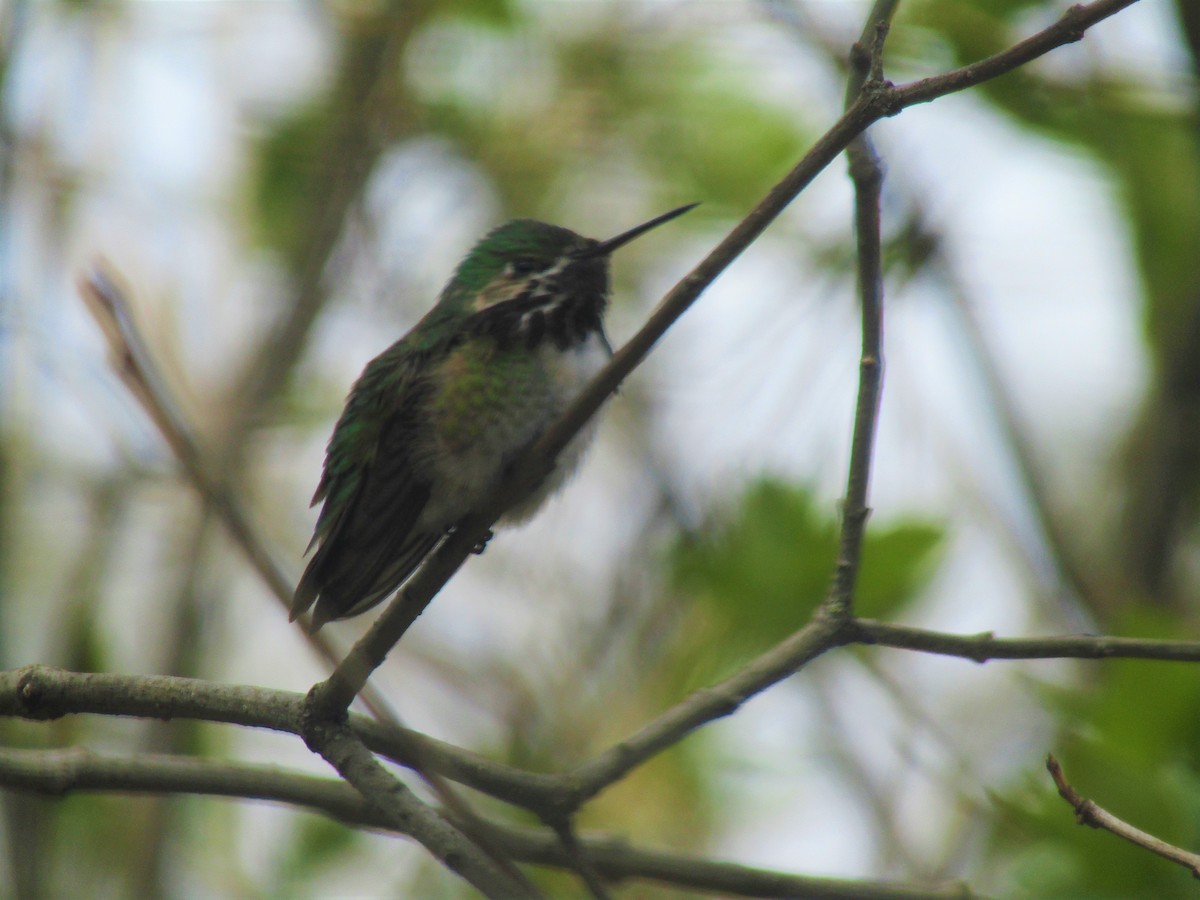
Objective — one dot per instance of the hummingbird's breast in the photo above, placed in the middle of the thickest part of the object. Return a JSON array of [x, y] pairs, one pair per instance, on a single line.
[[571, 370], [491, 398]]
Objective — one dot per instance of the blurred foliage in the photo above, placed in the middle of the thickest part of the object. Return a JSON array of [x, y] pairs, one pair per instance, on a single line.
[[1130, 744], [1150, 146], [318, 843], [758, 578], [283, 189]]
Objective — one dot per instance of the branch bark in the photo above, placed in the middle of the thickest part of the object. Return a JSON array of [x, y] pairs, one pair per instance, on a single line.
[[986, 646], [866, 65], [403, 811], [62, 772], [1093, 815]]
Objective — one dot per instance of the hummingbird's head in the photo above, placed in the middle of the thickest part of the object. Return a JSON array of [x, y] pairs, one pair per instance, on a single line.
[[526, 272], [529, 259]]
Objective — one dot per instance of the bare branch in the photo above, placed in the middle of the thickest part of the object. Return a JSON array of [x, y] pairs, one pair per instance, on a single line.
[[135, 364], [986, 646], [1069, 28], [617, 861], [1089, 813], [569, 841], [866, 62], [61, 772], [43, 693], [876, 101], [401, 808], [57, 773]]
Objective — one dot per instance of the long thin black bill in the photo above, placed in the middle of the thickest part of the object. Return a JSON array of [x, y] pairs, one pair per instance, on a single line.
[[606, 247]]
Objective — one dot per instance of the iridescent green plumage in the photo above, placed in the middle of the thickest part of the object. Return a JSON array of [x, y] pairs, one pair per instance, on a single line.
[[434, 422]]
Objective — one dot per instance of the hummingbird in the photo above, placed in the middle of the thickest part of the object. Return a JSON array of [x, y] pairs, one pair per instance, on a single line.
[[435, 421]]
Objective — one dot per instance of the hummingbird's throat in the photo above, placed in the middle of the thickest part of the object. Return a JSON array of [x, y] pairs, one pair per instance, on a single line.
[[564, 304]]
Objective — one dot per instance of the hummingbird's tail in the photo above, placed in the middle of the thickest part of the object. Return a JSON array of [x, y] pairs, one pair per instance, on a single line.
[[342, 587]]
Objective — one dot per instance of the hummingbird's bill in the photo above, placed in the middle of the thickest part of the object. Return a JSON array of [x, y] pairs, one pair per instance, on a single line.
[[606, 247]]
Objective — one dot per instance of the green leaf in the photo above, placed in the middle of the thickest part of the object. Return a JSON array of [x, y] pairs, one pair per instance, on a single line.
[[765, 571], [283, 188], [497, 13], [897, 563]]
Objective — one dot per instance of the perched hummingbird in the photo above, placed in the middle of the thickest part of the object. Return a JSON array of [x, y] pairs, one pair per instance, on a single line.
[[433, 423]]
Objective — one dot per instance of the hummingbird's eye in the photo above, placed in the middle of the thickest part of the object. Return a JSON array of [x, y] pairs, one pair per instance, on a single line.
[[523, 266]]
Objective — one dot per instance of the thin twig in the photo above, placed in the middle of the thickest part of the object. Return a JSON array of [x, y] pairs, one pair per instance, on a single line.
[[1089, 813], [986, 646], [880, 100], [1096, 589], [866, 67], [1069, 28], [569, 841], [137, 369]]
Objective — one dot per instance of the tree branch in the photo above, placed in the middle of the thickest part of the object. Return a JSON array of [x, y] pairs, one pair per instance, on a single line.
[[342, 749], [986, 646], [1068, 29], [568, 840], [866, 63], [40, 692], [137, 369], [61, 772], [1094, 816], [43, 693]]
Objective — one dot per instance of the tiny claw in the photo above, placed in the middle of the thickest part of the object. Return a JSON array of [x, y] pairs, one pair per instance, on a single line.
[[482, 545]]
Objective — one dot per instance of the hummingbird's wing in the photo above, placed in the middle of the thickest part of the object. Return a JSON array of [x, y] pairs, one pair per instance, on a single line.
[[366, 539]]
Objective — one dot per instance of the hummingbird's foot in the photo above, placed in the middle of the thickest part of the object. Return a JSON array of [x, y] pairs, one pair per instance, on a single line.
[[482, 545], [478, 548]]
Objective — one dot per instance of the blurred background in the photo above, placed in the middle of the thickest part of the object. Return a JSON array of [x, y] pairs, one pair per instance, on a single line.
[[285, 187]]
